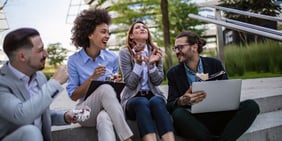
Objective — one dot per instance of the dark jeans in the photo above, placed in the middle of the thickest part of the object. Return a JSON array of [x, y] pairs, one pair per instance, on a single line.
[[148, 112], [215, 126]]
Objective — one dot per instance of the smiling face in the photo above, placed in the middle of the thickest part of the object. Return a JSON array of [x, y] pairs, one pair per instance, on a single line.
[[139, 32], [184, 51], [100, 36], [38, 54], [33, 59]]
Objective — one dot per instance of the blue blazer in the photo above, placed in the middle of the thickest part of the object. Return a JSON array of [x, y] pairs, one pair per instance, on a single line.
[[17, 109], [178, 83]]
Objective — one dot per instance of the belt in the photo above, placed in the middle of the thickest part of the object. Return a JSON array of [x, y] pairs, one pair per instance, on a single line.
[[144, 93]]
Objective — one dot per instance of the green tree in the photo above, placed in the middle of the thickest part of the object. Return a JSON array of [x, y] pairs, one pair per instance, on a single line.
[[56, 54], [165, 19], [264, 7]]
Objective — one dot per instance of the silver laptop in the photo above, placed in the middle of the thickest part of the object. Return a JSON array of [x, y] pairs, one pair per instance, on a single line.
[[222, 95]]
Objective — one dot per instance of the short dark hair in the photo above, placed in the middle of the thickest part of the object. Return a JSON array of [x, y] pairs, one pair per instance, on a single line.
[[85, 23], [19, 38], [193, 38]]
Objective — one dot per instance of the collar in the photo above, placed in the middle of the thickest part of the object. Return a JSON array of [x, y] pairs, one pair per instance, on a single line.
[[199, 69], [86, 58], [20, 75], [145, 50]]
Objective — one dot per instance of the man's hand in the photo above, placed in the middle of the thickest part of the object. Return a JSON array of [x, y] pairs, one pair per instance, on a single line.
[[190, 98], [69, 117], [77, 115], [61, 75]]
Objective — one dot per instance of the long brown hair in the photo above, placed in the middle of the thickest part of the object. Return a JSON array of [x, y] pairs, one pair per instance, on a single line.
[[130, 43]]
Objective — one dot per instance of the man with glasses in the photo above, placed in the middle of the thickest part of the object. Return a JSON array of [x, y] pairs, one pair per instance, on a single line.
[[225, 125]]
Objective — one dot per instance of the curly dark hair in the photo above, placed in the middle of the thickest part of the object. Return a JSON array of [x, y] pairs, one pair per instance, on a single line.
[[85, 24], [193, 38]]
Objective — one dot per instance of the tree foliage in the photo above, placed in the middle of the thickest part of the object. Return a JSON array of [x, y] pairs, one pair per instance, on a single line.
[[125, 12], [179, 20], [56, 54]]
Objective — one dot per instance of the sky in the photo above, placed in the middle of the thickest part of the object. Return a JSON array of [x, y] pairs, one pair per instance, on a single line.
[[47, 16]]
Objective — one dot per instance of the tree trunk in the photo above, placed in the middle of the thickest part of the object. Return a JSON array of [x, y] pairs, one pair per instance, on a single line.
[[165, 21]]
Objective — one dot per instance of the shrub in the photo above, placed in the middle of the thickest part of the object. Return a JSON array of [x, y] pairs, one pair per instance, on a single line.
[[257, 57]]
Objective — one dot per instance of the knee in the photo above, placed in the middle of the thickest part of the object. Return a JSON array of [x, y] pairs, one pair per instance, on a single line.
[[31, 132], [178, 114], [106, 88], [158, 104], [103, 119], [251, 106], [141, 102], [107, 91], [157, 101]]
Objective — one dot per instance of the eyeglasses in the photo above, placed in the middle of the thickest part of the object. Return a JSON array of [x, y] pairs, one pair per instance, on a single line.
[[180, 47]]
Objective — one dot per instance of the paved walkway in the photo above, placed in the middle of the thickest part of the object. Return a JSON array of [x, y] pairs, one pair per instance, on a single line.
[[251, 89]]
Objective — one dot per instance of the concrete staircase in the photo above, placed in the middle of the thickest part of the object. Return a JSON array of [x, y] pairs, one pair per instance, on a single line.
[[267, 92]]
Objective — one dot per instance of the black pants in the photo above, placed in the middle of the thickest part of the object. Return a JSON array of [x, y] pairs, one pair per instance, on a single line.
[[215, 126]]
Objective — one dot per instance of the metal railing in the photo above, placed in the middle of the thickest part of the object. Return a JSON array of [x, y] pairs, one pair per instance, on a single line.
[[238, 25]]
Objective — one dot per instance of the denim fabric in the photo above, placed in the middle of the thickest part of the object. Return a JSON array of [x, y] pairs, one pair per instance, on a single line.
[[148, 112]]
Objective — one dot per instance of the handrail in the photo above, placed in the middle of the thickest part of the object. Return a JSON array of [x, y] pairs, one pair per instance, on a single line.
[[237, 27], [246, 13], [270, 30]]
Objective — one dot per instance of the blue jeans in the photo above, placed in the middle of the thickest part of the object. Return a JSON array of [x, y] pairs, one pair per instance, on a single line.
[[149, 112]]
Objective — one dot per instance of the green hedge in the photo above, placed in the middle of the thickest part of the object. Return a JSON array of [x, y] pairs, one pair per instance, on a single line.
[[260, 57]]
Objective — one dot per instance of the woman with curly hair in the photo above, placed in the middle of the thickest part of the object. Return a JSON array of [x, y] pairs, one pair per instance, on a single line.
[[93, 62]]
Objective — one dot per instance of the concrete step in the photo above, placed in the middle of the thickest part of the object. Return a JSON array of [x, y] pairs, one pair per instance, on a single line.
[[266, 127], [267, 92]]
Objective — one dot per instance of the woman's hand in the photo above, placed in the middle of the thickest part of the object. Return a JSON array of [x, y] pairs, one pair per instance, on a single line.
[[99, 71], [156, 56]]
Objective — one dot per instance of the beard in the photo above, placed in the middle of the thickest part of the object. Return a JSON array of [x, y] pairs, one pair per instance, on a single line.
[[36, 67], [181, 57]]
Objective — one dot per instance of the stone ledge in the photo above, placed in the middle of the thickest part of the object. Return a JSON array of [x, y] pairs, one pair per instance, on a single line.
[[267, 127]]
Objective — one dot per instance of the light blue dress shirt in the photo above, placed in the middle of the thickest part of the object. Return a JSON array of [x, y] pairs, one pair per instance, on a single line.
[[80, 67], [191, 76]]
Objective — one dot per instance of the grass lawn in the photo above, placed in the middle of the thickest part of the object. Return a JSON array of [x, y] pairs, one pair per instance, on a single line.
[[251, 75], [248, 75]]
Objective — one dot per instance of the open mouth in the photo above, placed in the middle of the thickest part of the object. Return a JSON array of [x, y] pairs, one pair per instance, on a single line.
[[105, 42]]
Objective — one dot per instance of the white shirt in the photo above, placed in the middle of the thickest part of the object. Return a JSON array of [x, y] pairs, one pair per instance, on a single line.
[[142, 70]]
